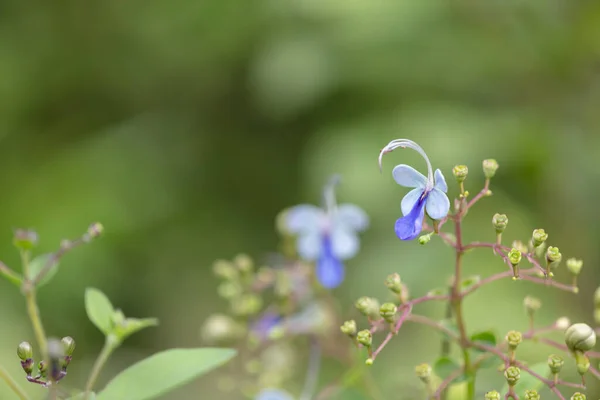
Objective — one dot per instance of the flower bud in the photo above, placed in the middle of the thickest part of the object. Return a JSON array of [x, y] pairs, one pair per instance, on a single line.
[[578, 396], [514, 339], [394, 283], [532, 395], [531, 304], [500, 221], [388, 311], [580, 337], [424, 239], [225, 270], [583, 363], [68, 344], [95, 230], [574, 266], [244, 263], [368, 306], [538, 237], [553, 257], [43, 368], [597, 315], [563, 323], [365, 338], [493, 395], [512, 375], [460, 172], [25, 239], [423, 372], [555, 363], [229, 290], [219, 328], [349, 328], [514, 256], [247, 305], [597, 298], [24, 351], [490, 167]]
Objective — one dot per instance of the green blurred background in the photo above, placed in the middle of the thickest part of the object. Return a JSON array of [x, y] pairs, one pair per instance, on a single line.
[[185, 126]]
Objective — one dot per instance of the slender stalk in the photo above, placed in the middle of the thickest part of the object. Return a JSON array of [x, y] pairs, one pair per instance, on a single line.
[[5, 376], [109, 347], [32, 308], [312, 373]]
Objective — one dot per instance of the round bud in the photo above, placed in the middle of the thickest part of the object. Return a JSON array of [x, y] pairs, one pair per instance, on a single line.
[[244, 263], [583, 363], [532, 395], [500, 221], [247, 305], [555, 363], [25, 239], [574, 266], [365, 338], [225, 270], [580, 337], [369, 361], [368, 306], [553, 256], [512, 375], [229, 290], [95, 230], [578, 396], [424, 239], [460, 172], [514, 256], [423, 372], [538, 237], [24, 351], [490, 167], [394, 283], [42, 368], [349, 328], [532, 304], [219, 328], [68, 344], [388, 311], [493, 395], [514, 339], [562, 323]]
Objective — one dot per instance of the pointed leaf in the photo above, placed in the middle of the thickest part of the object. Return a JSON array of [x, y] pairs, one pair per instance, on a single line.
[[163, 372], [469, 282], [133, 325], [487, 338], [529, 382], [99, 309], [444, 366], [37, 264]]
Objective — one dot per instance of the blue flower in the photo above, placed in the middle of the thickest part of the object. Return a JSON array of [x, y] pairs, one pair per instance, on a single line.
[[273, 394], [328, 235], [428, 194], [265, 324]]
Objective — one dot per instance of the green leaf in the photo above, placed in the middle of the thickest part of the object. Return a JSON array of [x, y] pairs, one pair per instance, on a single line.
[[469, 282], [133, 325], [487, 338], [491, 361], [81, 396], [438, 292], [163, 372], [444, 366], [528, 382], [450, 325], [99, 309], [37, 264]]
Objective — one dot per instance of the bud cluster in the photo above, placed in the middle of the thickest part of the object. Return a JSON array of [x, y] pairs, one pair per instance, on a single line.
[[60, 353]]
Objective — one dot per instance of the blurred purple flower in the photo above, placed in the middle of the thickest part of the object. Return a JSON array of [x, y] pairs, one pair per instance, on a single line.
[[428, 195], [273, 394]]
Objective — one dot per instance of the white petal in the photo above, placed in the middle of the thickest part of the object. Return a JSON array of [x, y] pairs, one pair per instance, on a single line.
[[310, 246], [407, 176], [351, 216], [440, 181], [437, 205], [303, 218], [345, 243], [409, 201]]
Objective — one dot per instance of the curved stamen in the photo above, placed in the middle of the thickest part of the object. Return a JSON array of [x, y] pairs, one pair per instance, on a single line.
[[405, 143], [329, 193]]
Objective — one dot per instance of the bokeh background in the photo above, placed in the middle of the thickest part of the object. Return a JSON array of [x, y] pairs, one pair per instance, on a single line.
[[186, 126]]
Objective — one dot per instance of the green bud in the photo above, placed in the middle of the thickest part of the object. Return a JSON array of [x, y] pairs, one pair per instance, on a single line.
[[531, 304], [247, 305], [490, 167], [555, 363], [43, 368], [514, 339], [493, 395], [394, 283], [578, 396], [597, 315], [512, 375], [388, 311], [574, 266], [583, 363], [219, 329], [538, 237], [562, 323], [460, 172], [95, 230], [500, 221], [349, 328], [532, 395], [423, 372], [424, 239], [68, 344], [368, 306], [365, 338], [25, 239], [27, 366], [369, 361], [553, 257], [597, 298], [225, 270], [24, 351], [580, 337], [230, 290], [244, 263], [514, 256]]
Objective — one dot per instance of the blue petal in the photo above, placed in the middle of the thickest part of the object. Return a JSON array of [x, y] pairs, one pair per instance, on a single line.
[[265, 323], [351, 216], [407, 176], [409, 227], [329, 270], [273, 394], [409, 201], [309, 245], [344, 243], [304, 218], [440, 181], [438, 204]]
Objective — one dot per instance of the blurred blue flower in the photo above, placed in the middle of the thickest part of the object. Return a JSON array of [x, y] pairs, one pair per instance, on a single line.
[[265, 324], [273, 394], [327, 235], [428, 195]]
